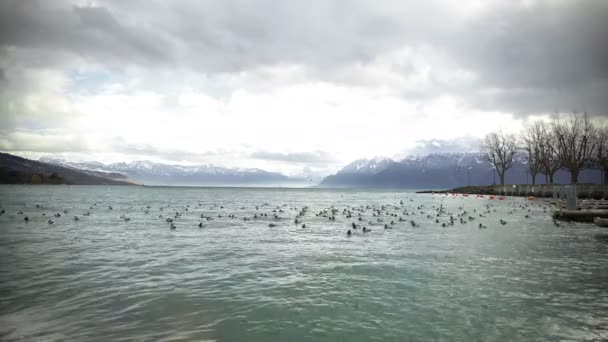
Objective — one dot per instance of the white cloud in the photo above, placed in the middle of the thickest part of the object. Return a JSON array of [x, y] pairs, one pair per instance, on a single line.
[[194, 82], [346, 121]]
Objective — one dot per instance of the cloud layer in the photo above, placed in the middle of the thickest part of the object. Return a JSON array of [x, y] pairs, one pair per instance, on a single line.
[[292, 87]]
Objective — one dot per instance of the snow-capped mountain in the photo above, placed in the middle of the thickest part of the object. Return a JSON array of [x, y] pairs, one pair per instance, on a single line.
[[152, 173], [368, 166], [91, 166], [445, 160], [435, 171]]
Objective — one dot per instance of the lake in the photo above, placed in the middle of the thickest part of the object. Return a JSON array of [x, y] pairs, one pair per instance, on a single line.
[[119, 272]]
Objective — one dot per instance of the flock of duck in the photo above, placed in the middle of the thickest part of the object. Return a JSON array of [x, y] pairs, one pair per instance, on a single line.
[[362, 219]]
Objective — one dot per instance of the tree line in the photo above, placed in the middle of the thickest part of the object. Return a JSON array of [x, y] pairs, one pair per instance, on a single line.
[[571, 142]]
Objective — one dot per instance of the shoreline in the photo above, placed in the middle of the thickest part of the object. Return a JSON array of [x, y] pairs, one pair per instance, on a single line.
[[585, 191]]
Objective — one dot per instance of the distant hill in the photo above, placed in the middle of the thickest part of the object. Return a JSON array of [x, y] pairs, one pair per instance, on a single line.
[[17, 170], [151, 173], [437, 171]]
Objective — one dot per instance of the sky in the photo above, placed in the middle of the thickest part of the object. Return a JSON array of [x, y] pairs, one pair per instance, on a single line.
[[298, 87]]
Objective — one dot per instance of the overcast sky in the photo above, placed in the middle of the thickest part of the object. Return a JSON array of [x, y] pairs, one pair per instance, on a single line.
[[300, 87]]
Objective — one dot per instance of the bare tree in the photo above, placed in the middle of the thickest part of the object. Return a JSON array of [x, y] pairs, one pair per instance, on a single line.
[[500, 150], [574, 137], [548, 157], [601, 151], [530, 143]]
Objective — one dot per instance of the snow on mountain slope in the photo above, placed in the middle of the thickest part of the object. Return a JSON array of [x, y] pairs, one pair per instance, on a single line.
[[433, 171], [157, 173], [368, 166], [444, 160]]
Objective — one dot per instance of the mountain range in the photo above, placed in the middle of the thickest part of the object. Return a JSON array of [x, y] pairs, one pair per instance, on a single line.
[[437, 171], [17, 170], [151, 173], [432, 171]]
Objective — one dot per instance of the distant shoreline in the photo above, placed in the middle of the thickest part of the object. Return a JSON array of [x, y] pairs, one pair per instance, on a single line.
[[125, 184], [523, 190], [228, 187]]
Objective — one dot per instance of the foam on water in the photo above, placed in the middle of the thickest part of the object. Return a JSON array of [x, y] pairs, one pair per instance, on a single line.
[[103, 277]]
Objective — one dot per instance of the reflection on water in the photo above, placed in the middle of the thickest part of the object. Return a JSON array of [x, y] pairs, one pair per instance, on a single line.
[[121, 273]]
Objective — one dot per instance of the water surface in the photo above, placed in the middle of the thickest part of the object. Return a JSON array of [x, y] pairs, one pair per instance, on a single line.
[[122, 274]]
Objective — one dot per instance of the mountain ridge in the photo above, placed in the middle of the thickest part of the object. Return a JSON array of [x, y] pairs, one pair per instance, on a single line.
[[18, 170], [440, 171], [432, 171], [153, 173]]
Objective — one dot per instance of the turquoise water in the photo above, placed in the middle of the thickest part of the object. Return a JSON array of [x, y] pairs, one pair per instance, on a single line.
[[123, 274]]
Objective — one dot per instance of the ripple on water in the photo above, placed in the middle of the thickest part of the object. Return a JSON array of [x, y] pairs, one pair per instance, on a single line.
[[105, 278]]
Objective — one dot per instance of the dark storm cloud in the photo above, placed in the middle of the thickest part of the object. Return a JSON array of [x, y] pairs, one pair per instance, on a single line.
[[319, 157], [552, 44], [221, 36], [551, 55], [92, 32]]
